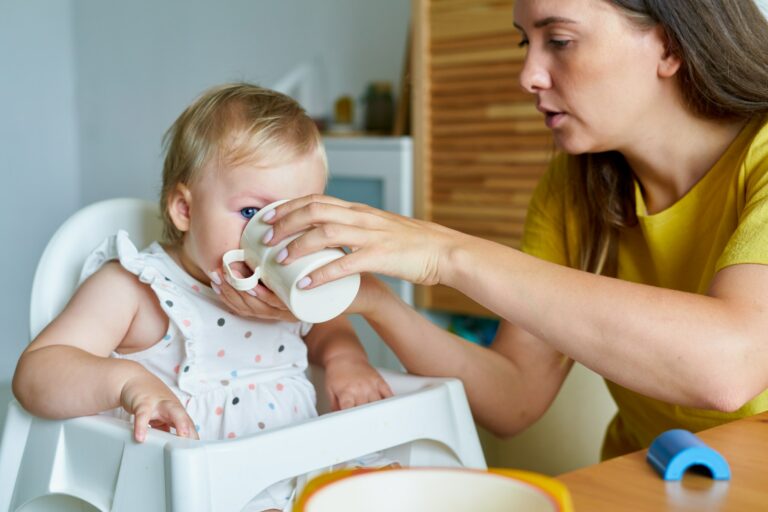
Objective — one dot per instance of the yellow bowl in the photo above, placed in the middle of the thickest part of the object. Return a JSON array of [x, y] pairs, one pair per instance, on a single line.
[[433, 489]]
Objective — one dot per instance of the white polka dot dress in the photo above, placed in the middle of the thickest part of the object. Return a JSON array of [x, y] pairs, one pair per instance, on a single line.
[[235, 376]]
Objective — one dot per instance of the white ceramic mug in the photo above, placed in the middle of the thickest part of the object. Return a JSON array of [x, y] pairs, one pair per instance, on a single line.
[[316, 305]]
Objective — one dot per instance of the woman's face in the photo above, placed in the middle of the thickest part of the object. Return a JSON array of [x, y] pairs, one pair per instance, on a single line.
[[596, 76]]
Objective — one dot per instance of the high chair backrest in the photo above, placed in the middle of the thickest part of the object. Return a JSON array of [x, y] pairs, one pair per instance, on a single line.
[[59, 267]]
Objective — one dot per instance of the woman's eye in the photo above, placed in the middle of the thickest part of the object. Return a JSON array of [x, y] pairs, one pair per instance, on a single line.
[[559, 43], [523, 43], [248, 212]]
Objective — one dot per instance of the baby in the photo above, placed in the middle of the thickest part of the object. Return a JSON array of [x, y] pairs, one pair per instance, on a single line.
[[158, 335]]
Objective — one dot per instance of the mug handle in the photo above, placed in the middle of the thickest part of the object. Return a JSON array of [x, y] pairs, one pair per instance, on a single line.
[[239, 283]]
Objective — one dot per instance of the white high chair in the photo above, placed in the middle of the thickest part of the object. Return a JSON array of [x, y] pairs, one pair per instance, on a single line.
[[92, 463]]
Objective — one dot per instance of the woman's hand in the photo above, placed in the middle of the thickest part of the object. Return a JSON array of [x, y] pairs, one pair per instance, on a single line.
[[380, 241], [352, 381], [153, 404], [260, 302]]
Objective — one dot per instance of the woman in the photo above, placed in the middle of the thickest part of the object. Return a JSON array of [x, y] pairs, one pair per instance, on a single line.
[[646, 244]]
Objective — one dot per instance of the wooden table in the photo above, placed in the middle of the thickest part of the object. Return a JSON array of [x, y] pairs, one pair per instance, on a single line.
[[629, 482]]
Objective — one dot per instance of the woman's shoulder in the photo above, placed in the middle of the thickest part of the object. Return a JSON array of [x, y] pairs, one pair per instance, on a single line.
[[758, 146], [753, 165]]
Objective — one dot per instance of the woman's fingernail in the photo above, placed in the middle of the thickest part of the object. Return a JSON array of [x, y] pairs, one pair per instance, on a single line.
[[214, 277], [268, 216], [281, 255], [216, 288], [268, 236], [252, 293], [305, 281]]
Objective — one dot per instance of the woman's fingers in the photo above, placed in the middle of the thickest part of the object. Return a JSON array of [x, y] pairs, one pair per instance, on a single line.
[[268, 296], [301, 202], [321, 213], [327, 235], [381, 242], [334, 270]]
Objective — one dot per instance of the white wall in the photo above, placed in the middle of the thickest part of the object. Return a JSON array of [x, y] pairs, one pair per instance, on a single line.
[[141, 62], [38, 154]]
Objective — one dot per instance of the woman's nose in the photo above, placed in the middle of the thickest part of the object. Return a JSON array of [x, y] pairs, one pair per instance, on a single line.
[[534, 76]]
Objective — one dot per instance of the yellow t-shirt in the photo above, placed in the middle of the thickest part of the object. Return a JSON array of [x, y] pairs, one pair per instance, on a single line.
[[721, 221]]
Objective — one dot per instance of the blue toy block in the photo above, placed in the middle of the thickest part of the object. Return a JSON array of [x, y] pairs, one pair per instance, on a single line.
[[674, 451]]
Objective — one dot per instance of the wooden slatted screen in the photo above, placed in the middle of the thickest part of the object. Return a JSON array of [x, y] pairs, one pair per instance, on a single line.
[[480, 144]]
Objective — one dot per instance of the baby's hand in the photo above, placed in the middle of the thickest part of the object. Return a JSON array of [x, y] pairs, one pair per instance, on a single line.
[[153, 404], [352, 381], [260, 303]]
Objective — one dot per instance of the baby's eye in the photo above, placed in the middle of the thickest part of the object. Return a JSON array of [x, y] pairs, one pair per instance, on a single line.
[[249, 211]]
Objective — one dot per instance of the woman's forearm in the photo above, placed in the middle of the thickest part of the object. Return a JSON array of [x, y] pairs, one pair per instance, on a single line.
[[504, 397], [679, 347], [62, 381]]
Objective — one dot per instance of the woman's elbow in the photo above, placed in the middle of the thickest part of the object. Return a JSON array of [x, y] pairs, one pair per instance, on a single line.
[[507, 427], [731, 395], [504, 432]]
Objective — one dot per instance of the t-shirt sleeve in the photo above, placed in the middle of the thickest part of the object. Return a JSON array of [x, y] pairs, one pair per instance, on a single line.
[[544, 235], [749, 243]]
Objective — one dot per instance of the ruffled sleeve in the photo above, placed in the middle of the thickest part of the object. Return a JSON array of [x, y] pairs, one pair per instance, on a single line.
[[116, 247]]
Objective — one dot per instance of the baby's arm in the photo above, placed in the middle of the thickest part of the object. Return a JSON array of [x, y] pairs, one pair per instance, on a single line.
[[66, 371], [349, 379]]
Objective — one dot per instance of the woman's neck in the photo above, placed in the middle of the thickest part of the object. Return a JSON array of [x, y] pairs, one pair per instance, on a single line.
[[672, 159]]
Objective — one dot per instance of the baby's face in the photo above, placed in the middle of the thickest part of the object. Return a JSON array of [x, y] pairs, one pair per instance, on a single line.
[[223, 200]]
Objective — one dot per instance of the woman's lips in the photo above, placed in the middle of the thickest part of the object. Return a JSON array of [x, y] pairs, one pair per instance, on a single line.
[[554, 119]]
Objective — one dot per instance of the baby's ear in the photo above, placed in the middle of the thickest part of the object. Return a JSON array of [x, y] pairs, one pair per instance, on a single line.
[[179, 206]]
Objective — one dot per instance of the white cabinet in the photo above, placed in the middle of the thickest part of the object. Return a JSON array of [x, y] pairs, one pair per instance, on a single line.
[[375, 171]]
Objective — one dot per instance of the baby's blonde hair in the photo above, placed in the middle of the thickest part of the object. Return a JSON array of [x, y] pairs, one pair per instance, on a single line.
[[233, 123]]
